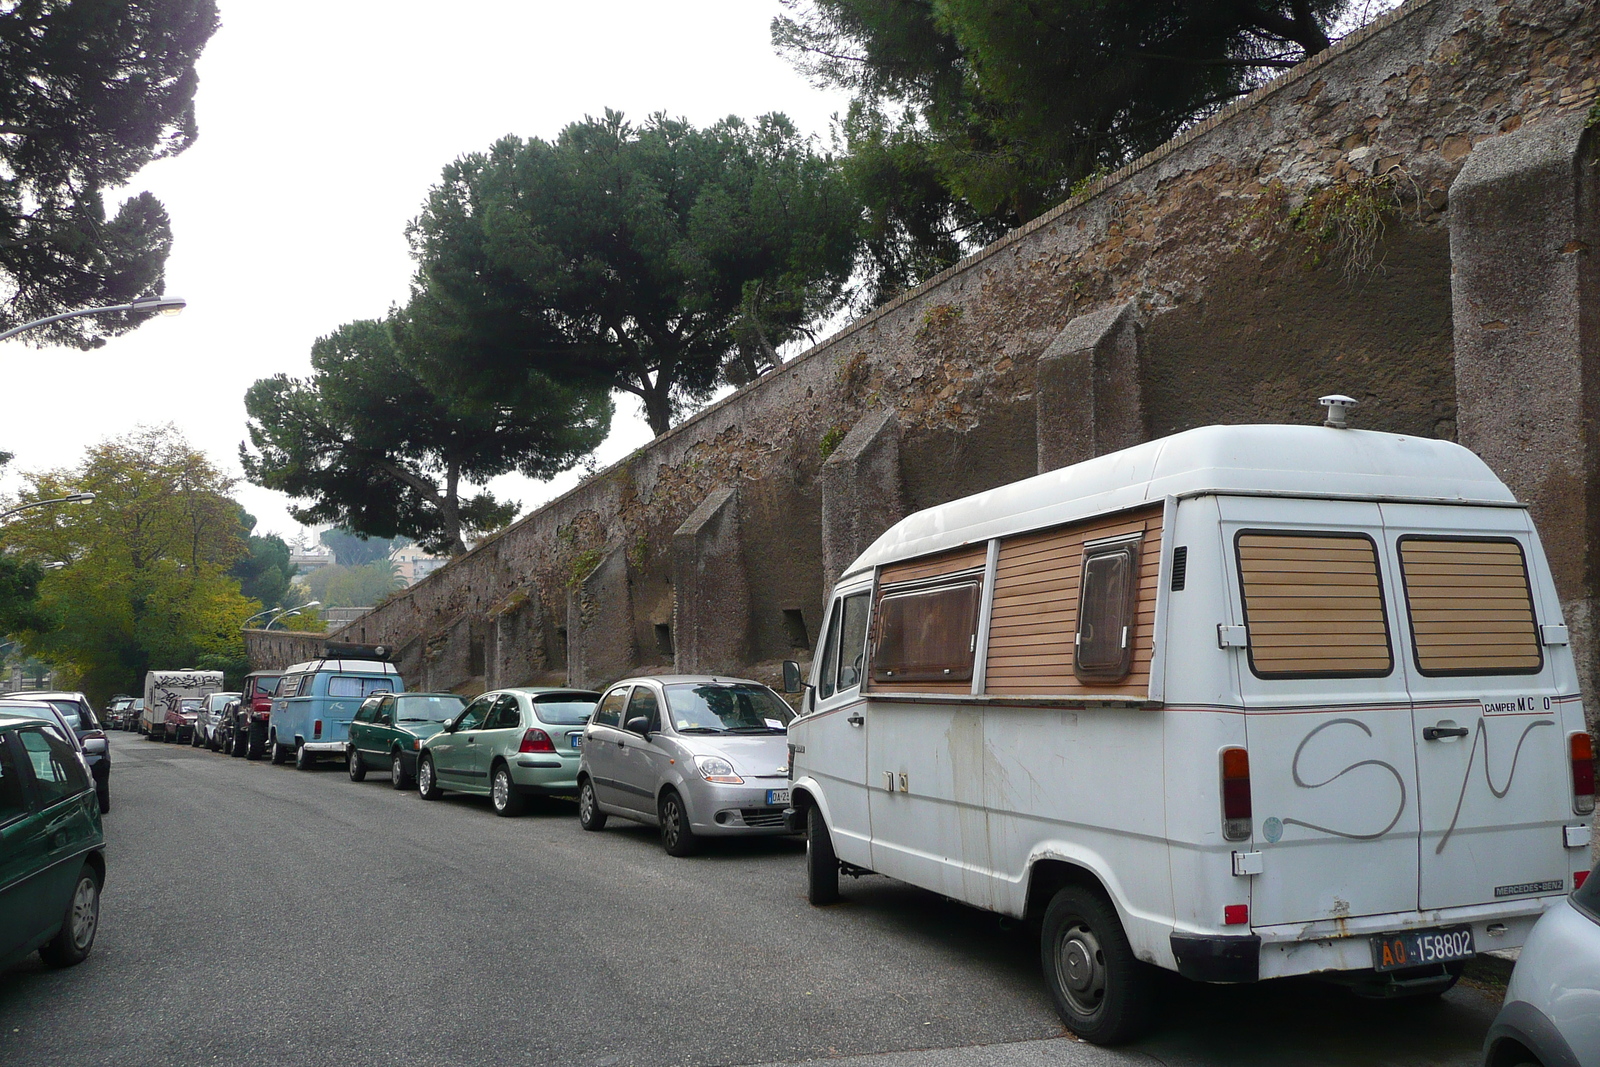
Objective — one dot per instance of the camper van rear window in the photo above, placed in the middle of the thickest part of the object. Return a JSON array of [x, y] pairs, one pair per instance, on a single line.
[[1470, 605], [1313, 605], [927, 635]]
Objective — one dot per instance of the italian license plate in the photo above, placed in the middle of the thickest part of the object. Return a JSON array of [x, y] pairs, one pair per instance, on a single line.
[[777, 796], [1417, 948], [576, 740]]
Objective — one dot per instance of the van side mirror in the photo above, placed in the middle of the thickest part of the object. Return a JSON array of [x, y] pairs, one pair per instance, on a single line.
[[639, 725], [791, 677]]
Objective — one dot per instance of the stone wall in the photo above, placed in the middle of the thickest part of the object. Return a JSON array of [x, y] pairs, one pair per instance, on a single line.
[[1299, 243]]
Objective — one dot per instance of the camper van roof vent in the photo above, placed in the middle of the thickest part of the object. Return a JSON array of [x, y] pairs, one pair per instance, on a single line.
[[1338, 406]]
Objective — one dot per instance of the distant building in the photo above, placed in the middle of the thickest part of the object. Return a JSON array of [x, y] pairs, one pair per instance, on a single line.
[[306, 562], [412, 564]]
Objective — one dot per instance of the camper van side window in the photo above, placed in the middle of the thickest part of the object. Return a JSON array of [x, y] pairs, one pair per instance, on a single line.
[[830, 654], [1470, 605], [852, 641], [1313, 605], [291, 685], [926, 635], [1107, 607]]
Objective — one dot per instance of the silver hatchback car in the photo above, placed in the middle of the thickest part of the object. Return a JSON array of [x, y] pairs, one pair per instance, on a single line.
[[696, 756]]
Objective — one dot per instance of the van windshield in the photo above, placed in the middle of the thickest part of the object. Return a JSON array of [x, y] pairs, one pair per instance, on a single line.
[[720, 708], [429, 708]]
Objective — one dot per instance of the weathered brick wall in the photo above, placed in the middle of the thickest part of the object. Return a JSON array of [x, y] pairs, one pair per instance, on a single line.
[[1223, 247]]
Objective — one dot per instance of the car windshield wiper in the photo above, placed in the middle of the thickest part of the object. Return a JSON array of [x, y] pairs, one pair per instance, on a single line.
[[700, 730], [421, 720], [757, 730]]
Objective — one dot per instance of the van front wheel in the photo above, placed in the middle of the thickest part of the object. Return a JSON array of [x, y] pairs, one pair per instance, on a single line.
[[1102, 992], [822, 866]]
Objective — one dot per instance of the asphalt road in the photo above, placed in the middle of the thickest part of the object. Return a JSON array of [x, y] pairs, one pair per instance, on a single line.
[[259, 914]]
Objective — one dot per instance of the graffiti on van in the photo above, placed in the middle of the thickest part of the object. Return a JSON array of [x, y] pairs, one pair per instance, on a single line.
[[1294, 769], [1482, 734]]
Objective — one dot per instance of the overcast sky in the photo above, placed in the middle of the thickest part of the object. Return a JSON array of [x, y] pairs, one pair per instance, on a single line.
[[322, 125]]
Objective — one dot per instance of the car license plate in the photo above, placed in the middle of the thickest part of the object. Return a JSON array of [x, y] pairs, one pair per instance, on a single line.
[[1417, 948], [777, 796], [576, 739]]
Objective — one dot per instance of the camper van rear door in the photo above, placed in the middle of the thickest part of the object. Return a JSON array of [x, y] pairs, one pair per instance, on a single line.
[[1327, 717], [1491, 781]]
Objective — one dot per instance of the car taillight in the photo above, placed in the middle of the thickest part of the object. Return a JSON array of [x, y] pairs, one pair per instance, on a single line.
[[1582, 747], [1235, 794], [1578, 878], [536, 741], [316, 728]]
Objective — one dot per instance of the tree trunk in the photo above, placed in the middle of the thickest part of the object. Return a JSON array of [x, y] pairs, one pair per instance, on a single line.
[[450, 510], [658, 406]]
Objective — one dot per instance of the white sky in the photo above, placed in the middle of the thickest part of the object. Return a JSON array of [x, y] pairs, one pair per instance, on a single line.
[[322, 125]]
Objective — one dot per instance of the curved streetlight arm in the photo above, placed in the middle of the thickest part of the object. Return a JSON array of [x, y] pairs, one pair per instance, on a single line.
[[167, 305], [292, 611], [72, 498]]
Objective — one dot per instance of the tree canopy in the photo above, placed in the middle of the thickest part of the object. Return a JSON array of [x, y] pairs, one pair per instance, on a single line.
[[657, 259], [358, 585], [351, 549], [264, 571], [376, 440], [93, 90], [972, 116], [142, 580]]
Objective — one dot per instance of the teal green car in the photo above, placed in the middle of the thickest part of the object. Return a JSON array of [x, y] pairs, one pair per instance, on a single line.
[[52, 847], [388, 732], [508, 745]]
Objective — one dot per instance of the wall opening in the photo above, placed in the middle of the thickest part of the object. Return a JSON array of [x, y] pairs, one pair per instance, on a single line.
[[664, 640], [794, 624]]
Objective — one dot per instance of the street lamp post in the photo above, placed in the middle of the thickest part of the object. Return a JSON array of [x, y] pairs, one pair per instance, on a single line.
[[166, 305], [70, 498], [291, 611]]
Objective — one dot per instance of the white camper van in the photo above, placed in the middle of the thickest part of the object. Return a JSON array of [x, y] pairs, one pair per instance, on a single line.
[[1243, 702], [164, 717]]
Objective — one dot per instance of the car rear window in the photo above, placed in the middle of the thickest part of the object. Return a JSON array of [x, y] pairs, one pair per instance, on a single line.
[[72, 711], [429, 708], [561, 709], [268, 686]]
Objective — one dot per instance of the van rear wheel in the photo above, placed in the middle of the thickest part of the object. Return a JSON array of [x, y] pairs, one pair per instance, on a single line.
[[822, 866], [1102, 992]]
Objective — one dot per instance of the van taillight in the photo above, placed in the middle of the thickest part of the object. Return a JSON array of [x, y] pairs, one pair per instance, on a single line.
[[536, 741], [1578, 878], [1235, 794], [1582, 774], [316, 730]]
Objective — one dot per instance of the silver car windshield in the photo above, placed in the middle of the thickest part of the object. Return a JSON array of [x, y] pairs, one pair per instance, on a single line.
[[719, 708], [427, 708]]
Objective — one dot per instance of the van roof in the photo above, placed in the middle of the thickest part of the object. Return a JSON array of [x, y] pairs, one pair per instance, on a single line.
[[346, 666], [1264, 459]]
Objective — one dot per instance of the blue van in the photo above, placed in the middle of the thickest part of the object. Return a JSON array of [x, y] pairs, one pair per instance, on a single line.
[[317, 699]]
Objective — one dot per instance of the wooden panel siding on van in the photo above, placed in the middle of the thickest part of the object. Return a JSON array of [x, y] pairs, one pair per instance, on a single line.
[[1034, 624], [1313, 605], [1470, 605]]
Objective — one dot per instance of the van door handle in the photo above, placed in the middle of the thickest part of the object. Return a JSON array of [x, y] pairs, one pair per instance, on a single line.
[[1435, 733], [855, 720]]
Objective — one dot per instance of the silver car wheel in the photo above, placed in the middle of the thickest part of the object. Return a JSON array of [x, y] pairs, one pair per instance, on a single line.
[[501, 790], [1080, 968], [425, 777], [85, 913], [397, 771]]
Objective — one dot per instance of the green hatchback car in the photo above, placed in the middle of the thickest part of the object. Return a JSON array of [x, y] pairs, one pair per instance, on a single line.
[[52, 847], [388, 731], [509, 744]]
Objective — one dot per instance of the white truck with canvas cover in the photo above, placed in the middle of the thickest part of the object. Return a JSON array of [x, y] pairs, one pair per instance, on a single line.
[[1244, 702], [165, 716]]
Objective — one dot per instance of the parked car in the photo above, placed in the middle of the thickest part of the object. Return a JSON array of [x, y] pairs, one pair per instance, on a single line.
[[87, 734], [181, 720], [52, 846], [1551, 1016], [227, 729], [251, 718], [318, 699], [388, 731], [508, 745], [694, 756], [116, 715], [1217, 703], [210, 720]]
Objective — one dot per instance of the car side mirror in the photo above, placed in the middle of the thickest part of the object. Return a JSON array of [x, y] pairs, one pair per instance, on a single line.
[[639, 725], [791, 677]]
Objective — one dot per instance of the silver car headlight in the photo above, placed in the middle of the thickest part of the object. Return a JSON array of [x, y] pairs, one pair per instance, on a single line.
[[716, 769]]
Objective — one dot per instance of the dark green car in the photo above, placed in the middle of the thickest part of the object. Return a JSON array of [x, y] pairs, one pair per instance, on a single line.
[[52, 847], [388, 732]]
